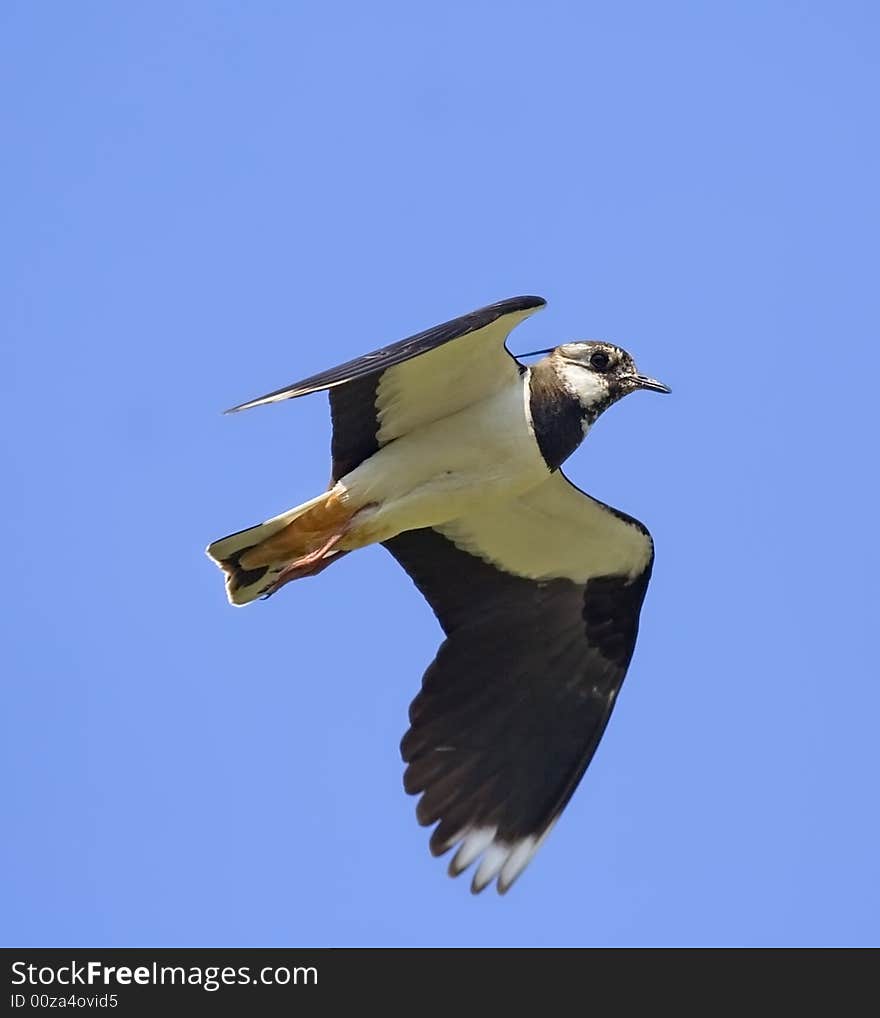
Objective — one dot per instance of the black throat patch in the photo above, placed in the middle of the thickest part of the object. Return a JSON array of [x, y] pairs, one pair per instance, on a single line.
[[557, 415]]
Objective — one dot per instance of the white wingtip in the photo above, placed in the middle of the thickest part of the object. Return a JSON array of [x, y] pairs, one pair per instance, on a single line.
[[502, 860], [490, 865], [520, 856], [475, 842]]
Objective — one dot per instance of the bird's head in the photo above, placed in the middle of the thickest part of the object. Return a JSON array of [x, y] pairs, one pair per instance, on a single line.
[[599, 374]]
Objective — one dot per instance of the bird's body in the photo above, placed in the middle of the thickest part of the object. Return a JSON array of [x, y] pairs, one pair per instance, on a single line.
[[445, 469], [446, 450]]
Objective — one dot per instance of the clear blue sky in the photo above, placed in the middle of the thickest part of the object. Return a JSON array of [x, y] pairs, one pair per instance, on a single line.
[[204, 201]]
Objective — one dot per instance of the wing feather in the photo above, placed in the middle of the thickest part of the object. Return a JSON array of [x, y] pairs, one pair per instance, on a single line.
[[384, 394], [515, 703], [397, 353]]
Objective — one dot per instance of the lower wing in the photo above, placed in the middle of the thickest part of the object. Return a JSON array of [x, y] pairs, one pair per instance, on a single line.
[[539, 600]]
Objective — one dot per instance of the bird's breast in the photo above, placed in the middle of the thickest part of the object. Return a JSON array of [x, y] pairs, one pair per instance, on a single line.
[[558, 418]]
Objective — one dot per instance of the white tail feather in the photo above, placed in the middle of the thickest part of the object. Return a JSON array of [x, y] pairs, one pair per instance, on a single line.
[[227, 548]]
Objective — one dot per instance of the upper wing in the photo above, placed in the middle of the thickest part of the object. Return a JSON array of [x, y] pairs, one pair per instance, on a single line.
[[387, 393], [540, 602]]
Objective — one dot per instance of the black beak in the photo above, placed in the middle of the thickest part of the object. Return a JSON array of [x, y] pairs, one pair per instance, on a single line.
[[643, 382]]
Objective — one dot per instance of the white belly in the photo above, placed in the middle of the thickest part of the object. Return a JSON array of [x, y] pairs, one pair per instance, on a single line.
[[445, 469]]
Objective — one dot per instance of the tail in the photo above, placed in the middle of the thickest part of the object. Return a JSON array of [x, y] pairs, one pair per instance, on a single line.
[[259, 560]]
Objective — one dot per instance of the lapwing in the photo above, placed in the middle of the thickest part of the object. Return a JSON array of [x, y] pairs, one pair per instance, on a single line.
[[446, 449]]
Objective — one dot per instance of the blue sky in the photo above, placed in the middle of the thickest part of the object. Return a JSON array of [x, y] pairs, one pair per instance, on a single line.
[[204, 201]]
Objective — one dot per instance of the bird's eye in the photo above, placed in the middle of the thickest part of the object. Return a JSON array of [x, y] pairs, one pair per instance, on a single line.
[[600, 360]]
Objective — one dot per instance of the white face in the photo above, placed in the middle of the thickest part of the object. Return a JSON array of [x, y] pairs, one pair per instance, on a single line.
[[590, 387], [599, 374], [593, 371]]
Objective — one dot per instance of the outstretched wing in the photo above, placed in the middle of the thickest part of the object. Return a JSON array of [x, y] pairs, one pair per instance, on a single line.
[[387, 393], [539, 601]]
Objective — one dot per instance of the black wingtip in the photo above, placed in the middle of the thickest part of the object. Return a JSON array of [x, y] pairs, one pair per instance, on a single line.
[[524, 303]]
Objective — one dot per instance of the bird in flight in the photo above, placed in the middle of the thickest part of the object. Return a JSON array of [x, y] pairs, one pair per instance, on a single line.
[[447, 450]]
